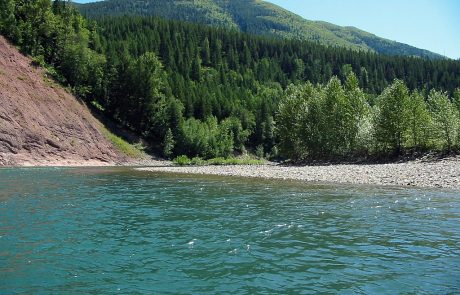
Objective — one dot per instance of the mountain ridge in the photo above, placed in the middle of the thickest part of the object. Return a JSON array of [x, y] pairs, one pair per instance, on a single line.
[[257, 17]]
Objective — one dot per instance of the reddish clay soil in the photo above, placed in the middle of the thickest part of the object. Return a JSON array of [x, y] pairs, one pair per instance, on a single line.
[[41, 123]]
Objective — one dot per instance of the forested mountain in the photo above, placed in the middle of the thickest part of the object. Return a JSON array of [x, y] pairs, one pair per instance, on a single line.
[[255, 16], [198, 90], [225, 87]]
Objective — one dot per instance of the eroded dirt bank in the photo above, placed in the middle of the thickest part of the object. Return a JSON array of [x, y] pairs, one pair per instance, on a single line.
[[41, 124]]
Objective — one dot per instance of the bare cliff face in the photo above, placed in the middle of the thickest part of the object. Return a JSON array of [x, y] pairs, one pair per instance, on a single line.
[[41, 123]]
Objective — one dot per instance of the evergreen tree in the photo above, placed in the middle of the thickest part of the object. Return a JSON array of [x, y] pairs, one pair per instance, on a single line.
[[206, 52], [196, 69], [150, 89], [148, 73], [168, 144]]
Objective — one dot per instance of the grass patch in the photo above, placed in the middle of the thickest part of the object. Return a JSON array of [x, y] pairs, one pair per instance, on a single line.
[[186, 161], [48, 82], [132, 151], [182, 161]]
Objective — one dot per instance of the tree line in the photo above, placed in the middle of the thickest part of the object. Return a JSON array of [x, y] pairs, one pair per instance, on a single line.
[[336, 121], [209, 92]]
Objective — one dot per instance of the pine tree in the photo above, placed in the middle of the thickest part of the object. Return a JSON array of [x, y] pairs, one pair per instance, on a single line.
[[206, 52], [168, 144], [196, 69]]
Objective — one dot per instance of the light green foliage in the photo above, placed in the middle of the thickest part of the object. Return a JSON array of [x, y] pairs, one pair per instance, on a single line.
[[322, 122], [260, 151], [182, 160], [346, 71], [234, 161], [457, 106], [233, 126], [357, 116], [445, 118], [209, 139], [310, 123], [335, 119], [419, 122], [457, 99], [391, 120], [123, 146], [290, 108], [365, 141], [196, 161]]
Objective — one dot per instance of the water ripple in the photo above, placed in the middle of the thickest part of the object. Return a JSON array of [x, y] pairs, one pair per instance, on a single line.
[[119, 231]]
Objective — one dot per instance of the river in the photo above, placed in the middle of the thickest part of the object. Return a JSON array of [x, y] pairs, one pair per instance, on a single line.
[[117, 230]]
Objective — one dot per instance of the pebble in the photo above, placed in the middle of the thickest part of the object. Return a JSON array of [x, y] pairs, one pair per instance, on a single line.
[[435, 174]]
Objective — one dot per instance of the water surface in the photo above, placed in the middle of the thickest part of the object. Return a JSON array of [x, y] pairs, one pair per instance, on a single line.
[[116, 230]]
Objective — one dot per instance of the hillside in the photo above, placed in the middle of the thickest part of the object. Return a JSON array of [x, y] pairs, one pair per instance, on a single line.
[[258, 17], [41, 123], [199, 91]]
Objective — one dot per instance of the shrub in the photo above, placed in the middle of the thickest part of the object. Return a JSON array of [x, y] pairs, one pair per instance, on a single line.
[[182, 160], [197, 161]]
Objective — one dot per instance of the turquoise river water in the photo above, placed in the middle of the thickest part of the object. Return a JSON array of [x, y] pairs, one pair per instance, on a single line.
[[120, 231]]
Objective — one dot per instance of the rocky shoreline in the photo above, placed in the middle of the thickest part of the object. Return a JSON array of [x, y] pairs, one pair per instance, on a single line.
[[443, 173], [28, 161]]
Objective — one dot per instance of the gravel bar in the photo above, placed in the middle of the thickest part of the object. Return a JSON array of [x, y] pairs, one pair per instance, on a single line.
[[443, 173]]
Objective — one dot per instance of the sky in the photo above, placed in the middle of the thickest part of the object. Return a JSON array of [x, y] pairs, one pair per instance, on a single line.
[[427, 24]]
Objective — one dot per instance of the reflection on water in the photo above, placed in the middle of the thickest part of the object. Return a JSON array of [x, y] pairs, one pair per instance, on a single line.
[[116, 230]]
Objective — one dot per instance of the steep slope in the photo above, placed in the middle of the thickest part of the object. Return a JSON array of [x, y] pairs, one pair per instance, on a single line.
[[42, 124], [258, 17]]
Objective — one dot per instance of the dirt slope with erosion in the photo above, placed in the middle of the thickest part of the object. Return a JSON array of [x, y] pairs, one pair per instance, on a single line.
[[42, 124]]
